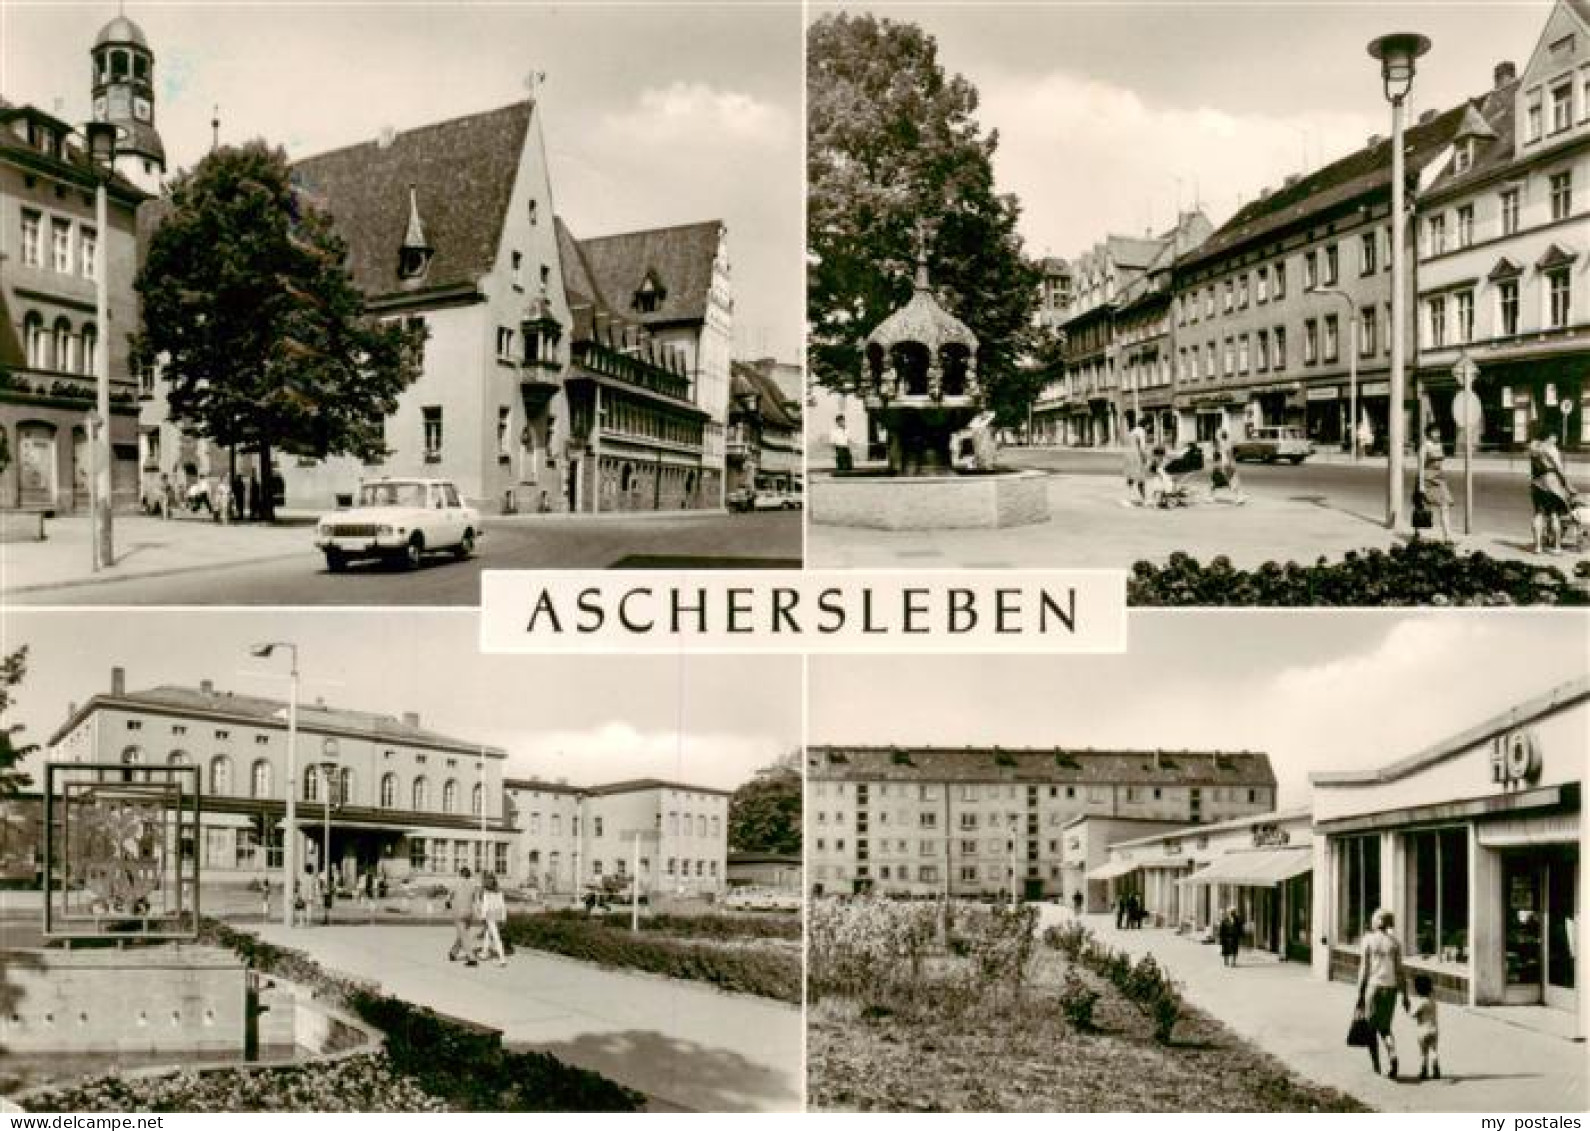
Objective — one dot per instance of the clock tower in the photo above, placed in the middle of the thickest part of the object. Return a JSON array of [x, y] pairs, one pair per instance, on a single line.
[[124, 95]]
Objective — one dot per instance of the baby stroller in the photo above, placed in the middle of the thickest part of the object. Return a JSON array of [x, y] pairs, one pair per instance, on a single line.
[[1173, 473]]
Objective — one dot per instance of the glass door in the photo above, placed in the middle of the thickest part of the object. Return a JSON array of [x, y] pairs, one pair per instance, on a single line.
[[1523, 902], [1562, 928]]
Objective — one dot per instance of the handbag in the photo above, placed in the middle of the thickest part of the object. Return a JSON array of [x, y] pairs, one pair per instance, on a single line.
[[1360, 1034], [1422, 518]]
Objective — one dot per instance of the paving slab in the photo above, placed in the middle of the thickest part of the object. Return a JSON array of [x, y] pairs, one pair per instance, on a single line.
[[686, 1044], [1492, 1060]]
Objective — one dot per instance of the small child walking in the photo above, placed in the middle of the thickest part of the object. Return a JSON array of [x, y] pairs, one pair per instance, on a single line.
[[1421, 1007]]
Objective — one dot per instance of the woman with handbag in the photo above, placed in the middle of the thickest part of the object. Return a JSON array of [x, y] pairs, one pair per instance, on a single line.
[[1432, 480], [493, 911], [1380, 983]]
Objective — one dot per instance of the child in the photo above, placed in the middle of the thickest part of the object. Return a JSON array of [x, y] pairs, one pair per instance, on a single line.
[[1422, 1009]]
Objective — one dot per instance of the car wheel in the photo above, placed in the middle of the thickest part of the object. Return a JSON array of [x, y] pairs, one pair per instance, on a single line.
[[1297, 460], [466, 546], [335, 562], [413, 553]]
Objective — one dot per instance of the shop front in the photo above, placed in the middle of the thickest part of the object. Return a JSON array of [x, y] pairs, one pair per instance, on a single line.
[[1270, 888], [1517, 397], [1474, 845]]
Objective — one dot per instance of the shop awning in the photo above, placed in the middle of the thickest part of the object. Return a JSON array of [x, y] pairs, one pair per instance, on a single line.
[[1113, 869], [1259, 867]]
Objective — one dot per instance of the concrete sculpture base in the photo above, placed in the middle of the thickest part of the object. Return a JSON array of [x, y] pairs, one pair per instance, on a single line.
[[930, 502]]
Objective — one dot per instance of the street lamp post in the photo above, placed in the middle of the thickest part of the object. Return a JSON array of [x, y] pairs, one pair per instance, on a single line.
[[1352, 362], [102, 138], [1398, 54], [290, 821], [328, 750]]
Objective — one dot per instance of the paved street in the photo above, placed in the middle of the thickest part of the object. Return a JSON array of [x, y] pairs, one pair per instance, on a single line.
[[192, 562], [1323, 509], [686, 1044], [1496, 1060]]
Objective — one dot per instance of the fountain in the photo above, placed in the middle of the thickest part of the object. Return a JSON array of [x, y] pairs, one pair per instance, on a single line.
[[920, 382]]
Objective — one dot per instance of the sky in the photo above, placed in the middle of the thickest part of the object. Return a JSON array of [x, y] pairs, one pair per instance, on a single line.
[[654, 114], [1326, 690], [1111, 116], [704, 720]]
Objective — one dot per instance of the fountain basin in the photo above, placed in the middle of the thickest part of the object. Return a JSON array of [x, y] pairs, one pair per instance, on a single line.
[[966, 501]]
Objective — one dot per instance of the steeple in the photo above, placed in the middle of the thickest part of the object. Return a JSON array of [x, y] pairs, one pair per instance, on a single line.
[[414, 257], [123, 84]]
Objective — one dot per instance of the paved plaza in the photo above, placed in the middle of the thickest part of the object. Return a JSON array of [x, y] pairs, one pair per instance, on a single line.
[[1492, 1059], [684, 1044]]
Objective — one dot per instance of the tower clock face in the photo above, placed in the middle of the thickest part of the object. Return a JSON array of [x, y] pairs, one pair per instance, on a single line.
[[99, 108], [141, 109], [119, 104]]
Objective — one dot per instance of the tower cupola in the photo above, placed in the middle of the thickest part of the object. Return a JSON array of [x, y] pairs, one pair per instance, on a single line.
[[124, 96]]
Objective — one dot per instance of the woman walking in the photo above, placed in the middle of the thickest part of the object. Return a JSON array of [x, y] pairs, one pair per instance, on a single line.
[[1432, 480], [1224, 473], [1381, 983], [1548, 490], [1134, 464], [493, 911]]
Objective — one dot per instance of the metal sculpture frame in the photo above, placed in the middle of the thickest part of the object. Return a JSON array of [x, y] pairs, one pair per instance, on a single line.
[[113, 861]]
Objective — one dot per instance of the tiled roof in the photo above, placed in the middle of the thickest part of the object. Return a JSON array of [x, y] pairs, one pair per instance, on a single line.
[[1364, 171], [679, 259], [77, 161], [311, 716], [536, 785], [463, 173], [636, 785], [1493, 152], [1040, 766], [747, 378]]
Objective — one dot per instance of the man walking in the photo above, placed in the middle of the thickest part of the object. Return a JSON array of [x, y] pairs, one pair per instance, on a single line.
[[463, 901]]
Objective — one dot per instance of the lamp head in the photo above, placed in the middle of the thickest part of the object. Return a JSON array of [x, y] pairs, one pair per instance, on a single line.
[[1398, 54], [102, 138]]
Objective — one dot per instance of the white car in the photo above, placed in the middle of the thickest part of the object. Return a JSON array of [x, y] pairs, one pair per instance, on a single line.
[[400, 520]]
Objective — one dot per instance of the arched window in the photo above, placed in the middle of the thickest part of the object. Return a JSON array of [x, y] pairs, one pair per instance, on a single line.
[[221, 774], [388, 791], [90, 345], [345, 786], [450, 796], [63, 346], [38, 343], [175, 758], [422, 794], [259, 779], [311, 783], [476, 797], [118, 64], [626, 479]]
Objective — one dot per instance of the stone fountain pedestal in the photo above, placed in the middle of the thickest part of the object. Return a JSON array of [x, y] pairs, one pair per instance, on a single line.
[[976, 501]]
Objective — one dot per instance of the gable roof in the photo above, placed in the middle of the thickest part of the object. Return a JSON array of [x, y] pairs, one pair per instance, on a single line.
[[680, 258], [747, 378], [1364, 171], [462, 172], [1493, 144]]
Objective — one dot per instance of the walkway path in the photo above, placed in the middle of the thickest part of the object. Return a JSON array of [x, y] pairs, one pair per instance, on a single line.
[[1488, 1062], [688, 1045]]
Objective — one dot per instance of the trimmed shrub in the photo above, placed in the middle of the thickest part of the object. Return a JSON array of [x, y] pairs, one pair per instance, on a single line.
[[1077, 1000]]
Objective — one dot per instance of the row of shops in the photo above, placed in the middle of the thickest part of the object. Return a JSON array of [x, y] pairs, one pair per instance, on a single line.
[[1474, 845]]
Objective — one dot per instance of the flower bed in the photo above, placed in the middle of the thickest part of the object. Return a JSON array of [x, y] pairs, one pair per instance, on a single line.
[[1418, 573], [357, 1083], [786, 927], [772, 972]]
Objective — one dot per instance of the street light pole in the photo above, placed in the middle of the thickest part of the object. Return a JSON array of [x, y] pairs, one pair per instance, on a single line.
[[290, 821], [1398, 54], [102, 153]]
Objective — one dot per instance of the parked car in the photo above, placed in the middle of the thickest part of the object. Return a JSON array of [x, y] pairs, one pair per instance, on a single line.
[[399, 520], [741, 499], [1271, 444], [763, 499]]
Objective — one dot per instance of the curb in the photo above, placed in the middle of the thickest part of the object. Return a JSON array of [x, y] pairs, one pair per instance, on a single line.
[[145, 575]]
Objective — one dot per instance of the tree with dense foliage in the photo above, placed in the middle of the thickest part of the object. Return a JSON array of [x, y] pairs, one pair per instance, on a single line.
[[765, 812], [263, 339], [12, 780], [892, 142]]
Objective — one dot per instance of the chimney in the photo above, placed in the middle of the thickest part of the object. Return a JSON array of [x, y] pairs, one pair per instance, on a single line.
[[1264, 193], [386, 137], [1374, 140], [1427, 117], [1291, 179], [1505, 72], [411, 719], [207, 686], [118, 681]]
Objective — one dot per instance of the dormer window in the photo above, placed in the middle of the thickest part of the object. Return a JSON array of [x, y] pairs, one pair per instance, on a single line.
[[1463, 159], [413, 262], [414, 258], [650, 295]]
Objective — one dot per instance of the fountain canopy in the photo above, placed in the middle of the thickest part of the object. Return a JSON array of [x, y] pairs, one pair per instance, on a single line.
[[921, 355]]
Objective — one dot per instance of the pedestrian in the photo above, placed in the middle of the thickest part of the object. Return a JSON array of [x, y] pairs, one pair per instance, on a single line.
[[1381, 982], [1423, 1011], [1120, 911], [1366, 436], [1432, 480], [1548, 490], [493, 912], [463, 902], [221, 500], [840, 439], [1223, 932], [1223, 475], [1134, 465], [1076, 903], [265, 901]]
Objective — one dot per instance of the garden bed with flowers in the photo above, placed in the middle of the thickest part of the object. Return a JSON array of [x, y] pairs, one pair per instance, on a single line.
[[1417, 573]]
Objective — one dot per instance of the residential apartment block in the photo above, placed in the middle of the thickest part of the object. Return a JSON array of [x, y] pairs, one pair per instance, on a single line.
[[931, 821]]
